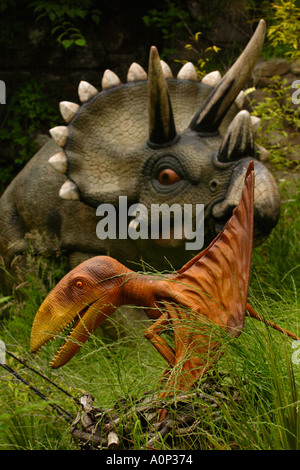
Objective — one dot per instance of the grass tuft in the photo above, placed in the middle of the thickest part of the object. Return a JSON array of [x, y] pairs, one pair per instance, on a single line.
[[249, 400]]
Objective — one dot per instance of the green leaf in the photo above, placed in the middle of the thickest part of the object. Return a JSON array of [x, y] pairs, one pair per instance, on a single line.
[[5, 299], [67, 43], [80, 42], [52, 16], [96, 18]]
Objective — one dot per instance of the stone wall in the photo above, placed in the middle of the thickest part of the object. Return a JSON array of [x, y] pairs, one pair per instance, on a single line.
[[266, 69]]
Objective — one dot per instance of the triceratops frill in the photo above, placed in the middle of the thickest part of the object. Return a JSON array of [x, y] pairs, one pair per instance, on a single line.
[[155, 139]]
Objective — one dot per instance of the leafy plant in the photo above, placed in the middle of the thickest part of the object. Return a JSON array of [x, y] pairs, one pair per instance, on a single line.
[[206, 54], [171, 21], [280, 123], [280, 119], [176, 26], [276, 263], [64, 16], [26, 112], [284, 30]]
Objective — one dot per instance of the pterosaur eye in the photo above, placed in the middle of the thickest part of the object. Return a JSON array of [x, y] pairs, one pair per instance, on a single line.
[[79, 284], [168, 176]]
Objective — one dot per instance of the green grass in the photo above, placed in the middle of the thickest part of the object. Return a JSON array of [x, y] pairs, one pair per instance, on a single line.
[[256, 405]]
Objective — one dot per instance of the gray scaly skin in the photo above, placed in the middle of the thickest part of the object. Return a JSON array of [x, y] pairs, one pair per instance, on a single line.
[[191, 144]]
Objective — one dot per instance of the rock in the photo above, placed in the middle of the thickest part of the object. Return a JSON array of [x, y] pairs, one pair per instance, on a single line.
[[265, 69], [276, 138], [295, 68], [268, 68]]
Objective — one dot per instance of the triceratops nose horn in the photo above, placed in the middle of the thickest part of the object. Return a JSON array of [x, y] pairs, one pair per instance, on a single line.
[[209, 117], [162, 129]]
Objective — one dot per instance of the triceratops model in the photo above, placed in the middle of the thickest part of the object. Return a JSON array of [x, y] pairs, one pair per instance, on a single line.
[[191, 144]]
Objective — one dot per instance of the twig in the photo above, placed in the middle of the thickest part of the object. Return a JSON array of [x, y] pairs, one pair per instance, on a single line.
[[65, 414], [42, 375], [113, 441]]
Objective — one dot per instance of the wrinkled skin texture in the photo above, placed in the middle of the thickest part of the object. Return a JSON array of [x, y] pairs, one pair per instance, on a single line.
[[32, 202], [109, 154], [210, 290]]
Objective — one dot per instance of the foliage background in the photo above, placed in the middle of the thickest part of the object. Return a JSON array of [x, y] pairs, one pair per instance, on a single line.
[[47, 47]]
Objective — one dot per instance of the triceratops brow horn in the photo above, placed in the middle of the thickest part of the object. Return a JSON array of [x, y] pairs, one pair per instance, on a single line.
[[209, 117], [238, 141], [162, 129]]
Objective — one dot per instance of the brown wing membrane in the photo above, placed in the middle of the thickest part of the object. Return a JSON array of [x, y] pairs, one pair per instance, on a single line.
[[209, 290], [215, 283]]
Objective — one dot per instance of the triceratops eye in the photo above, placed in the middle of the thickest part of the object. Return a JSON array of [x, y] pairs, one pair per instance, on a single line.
[[168, 177], [79, 284]]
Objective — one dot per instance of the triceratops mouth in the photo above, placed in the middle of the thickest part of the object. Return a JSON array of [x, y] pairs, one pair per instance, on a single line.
[[263, 225], [266, 200]]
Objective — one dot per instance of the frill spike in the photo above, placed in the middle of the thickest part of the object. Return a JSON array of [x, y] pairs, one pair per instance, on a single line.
[[238, 142], [110, 80], [212, 79], [263, 154], [69, 191], [240, 99], [136, 73], [60, 135], [209, 117], [59, 162], [188, 72], [68, 110], [86, 91], [256, 122], [166, 69], [161, 121]]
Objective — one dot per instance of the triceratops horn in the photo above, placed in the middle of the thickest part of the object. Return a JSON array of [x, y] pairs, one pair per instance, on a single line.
[[238, 141], [161, 121], [212, 112]]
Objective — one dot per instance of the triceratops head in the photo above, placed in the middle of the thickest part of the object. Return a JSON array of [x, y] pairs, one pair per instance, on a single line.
[[158, 139]]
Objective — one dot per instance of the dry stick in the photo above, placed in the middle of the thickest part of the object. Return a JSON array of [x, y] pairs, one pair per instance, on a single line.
[[65, 414], [254, 314], [113, 441], [39, 373], [87, 437], [42, 375]]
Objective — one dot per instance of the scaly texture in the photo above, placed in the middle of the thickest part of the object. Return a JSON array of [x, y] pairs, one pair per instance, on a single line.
[[120, 140]]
